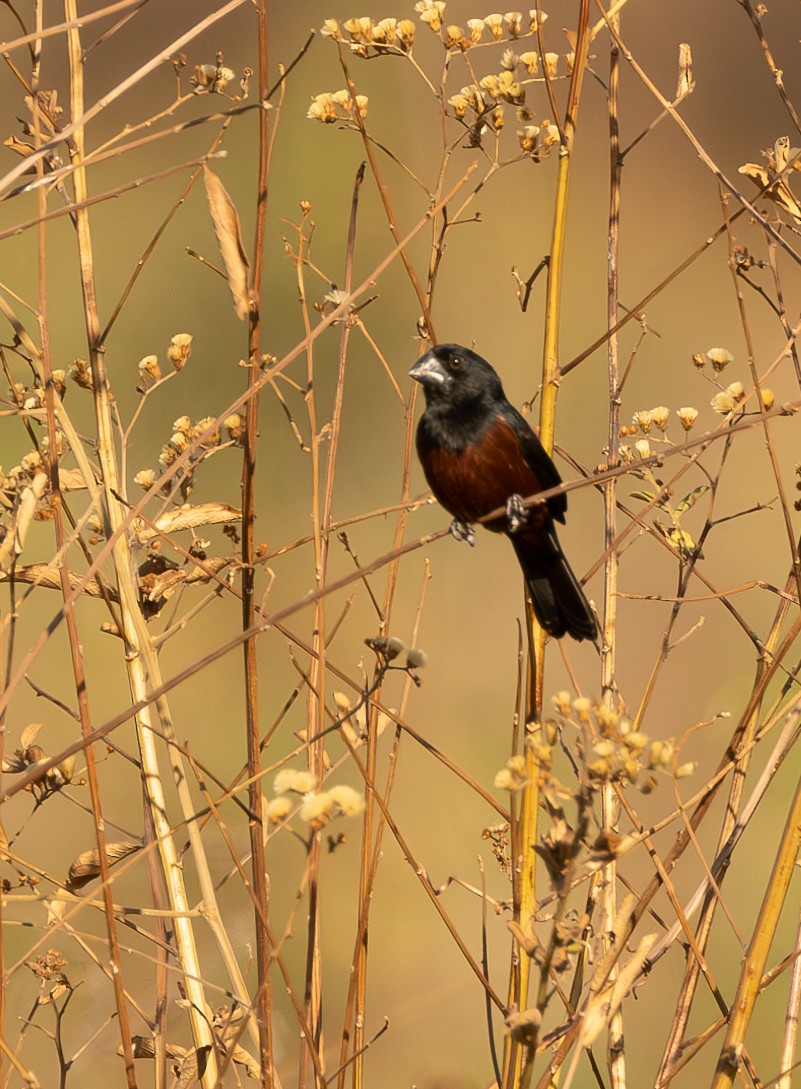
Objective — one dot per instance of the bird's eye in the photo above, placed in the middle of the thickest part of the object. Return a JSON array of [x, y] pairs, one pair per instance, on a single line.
[[456, 362]]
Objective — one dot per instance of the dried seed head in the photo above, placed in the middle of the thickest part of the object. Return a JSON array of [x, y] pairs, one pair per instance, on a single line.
[[476, 28], [767, 396], [179, 350], [570, 62], [406, 32], [562, 703], [643, 448], [322, 109], [531, 61], [510, 60], [330, 29], [80, 373], [455, 39], [719, 358], [528, 138], [514, 22], [551, 64], [317, 809], [235, 426], [149, 365], [295, 780], [145, 478], [431, 12], [536, 19], [459, 105], [348, 801], [494, 24], [722, 403], [416, 658], [183, 423], [700, 360], [582, 706], [660, 416], [687, 416], [642, 421], [736, 391], [278, 809], [59, 382]]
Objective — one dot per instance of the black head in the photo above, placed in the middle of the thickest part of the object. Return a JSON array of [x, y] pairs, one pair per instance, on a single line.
[[457, 376]]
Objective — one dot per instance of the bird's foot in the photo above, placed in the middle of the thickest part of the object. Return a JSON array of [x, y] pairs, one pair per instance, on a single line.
[[462, 531], [516, 513]]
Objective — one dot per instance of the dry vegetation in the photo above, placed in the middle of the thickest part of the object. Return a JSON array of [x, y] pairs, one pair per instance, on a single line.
[[191, 886]]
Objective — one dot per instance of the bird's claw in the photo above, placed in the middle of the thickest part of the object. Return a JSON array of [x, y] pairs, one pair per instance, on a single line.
[[462, 531], [516, 513]]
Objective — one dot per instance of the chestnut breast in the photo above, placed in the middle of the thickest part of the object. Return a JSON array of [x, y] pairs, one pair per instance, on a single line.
[[471, 482]]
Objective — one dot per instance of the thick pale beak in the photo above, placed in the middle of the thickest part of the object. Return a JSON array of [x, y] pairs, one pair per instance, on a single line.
[[428, 371]]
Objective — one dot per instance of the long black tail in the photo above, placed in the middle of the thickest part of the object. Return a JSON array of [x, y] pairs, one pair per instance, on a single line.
[[559, 602]]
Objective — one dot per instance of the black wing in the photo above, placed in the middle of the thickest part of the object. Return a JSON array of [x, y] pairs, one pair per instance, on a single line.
[[538, 460]]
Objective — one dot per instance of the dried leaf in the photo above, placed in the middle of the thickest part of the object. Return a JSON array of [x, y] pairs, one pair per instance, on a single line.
[[189, 517], [779, 193], [686, 84], [47, 575], [29, 734], [229, 236], [87, 865], [691, 498]]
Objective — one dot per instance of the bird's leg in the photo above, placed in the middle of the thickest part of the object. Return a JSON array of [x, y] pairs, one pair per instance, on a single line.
[[462, 531], [516, 513]]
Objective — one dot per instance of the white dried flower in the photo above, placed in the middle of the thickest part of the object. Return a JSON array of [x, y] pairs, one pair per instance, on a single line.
[[736, 391], [348, 801], [536, 19], [278, 809], [528, 138], [235, 426], [459, 105], [494, 23], [643, 448], [551, 64], [476, 28], [514, 21], [145, 478], [406, 31], [562, 702], [330, 29], [295, 780], [431, 12], [688, 416], [719, 358], [322, 109], [149, 365], [722, 403], [531, 61], [510, 60], [183, 423], [642, 421], [179, 350], [768, 398], [317, 809], [660, 416]]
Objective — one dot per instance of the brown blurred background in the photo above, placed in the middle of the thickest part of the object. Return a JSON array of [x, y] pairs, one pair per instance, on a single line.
[[473, 610]]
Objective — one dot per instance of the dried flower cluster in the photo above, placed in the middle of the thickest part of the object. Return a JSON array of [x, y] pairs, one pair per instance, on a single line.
[[480, 105], [329, 107], [609, 747], [318, 807]]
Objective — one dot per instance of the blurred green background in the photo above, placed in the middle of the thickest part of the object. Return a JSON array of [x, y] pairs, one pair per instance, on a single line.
[[473, 609]]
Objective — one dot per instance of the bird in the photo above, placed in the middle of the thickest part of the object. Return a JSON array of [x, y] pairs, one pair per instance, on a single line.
[[479, 454]]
